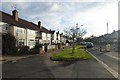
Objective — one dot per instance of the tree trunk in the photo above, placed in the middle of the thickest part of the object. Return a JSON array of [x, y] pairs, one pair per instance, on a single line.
[[73, 46]]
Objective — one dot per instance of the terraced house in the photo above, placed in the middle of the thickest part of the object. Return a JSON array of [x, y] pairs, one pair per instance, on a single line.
[[28, 33], [25, 32], [43, 35]]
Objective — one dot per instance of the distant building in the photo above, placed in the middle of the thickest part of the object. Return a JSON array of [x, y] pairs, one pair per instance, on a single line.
[[52, 36]]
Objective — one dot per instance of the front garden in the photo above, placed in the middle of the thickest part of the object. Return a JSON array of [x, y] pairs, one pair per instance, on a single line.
[[66, 55]]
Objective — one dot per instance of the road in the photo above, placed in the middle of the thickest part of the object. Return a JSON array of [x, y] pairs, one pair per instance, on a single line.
[[42, 67], [108, 58], [32, 67], [0, 44], [0, 54]]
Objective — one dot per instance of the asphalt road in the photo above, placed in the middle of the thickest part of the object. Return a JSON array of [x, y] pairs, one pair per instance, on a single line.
[[32, 67], [42, 67], [109, 58], [0, 44]]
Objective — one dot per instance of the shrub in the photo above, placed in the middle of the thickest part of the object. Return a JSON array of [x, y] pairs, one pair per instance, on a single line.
[[35, 50], [59, 46], [38, 46], [23, 49], [8, 44]]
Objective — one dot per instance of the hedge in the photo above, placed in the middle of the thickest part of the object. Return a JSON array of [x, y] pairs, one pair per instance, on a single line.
[[8, 44]]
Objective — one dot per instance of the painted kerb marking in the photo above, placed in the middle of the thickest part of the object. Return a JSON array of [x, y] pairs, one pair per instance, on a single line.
[[113, 72]]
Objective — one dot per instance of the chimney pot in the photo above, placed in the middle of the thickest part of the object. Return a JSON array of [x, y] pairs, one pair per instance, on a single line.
[[15, 14], [39, 24]]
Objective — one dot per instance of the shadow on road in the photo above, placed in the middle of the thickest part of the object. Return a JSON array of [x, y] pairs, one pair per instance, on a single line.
[[65, 64]]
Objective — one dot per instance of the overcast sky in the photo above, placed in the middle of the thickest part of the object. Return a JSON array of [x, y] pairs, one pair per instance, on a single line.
[[59, 15]]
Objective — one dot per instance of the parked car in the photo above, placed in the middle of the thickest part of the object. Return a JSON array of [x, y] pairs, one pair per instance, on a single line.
[[89, 44], [83, 43]]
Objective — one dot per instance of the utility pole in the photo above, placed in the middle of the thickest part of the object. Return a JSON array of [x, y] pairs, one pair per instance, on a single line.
[[107, 28]]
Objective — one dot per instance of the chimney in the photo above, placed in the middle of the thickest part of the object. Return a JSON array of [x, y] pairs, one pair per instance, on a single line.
[[39, 24], [15, 14]]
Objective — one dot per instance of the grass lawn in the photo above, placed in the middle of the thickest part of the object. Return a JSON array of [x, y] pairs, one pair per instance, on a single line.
[[67, 55]]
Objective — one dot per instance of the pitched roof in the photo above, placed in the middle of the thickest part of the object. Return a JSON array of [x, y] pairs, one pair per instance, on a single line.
[[51, 31], [7, 18], [42, 29]]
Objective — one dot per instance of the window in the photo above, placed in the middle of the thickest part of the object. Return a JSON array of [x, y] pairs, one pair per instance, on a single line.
[[31, 42], [6, 27], [36, 42], [31, 32], [52, 37], [21, 42], [0, 29], [20, 30]]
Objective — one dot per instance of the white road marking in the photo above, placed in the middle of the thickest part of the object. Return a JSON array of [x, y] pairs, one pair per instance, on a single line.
[[113, 72], [113, 57]]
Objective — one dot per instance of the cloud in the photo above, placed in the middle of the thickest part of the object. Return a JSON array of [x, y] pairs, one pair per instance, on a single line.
[[58, 15], [60, 1], [55, 7]]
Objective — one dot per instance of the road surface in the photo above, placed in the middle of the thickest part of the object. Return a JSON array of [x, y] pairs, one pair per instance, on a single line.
[[111, 59], [41, 67]]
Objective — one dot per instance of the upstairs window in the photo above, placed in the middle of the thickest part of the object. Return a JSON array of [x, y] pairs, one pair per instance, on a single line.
[[20, 30]]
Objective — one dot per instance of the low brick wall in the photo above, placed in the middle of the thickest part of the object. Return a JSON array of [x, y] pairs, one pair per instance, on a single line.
[[41, 51], [51, 48]]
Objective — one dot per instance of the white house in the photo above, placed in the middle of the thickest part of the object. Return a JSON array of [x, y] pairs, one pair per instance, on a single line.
[[24, 31], [43, 35], [27, 33]]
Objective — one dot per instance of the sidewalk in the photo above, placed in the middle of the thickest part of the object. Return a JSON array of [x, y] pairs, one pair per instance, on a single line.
[[13, 58]]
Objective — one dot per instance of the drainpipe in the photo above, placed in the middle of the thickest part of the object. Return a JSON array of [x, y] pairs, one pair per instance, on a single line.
[[26, 36]]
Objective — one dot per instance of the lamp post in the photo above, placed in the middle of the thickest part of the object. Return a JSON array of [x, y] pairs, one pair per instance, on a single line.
[[107, 27]]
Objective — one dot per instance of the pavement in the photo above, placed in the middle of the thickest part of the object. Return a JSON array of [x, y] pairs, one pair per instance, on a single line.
[[13, 58], [40, 66]]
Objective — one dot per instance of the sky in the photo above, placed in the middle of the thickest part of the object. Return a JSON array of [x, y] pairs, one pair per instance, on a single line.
[[93, 15]]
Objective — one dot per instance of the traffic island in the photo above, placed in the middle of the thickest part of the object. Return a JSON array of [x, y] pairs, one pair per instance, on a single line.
[[66, 55]]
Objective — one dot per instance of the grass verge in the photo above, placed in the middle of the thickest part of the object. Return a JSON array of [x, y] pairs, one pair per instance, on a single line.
[[66, 55]]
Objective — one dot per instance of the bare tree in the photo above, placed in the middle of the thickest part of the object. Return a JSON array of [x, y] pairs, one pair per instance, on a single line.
[[66, 31], [82, 32], [74, 32]]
